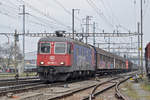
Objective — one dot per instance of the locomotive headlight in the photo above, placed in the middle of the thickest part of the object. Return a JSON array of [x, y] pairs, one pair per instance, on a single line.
[[42, 63], [62, 63]]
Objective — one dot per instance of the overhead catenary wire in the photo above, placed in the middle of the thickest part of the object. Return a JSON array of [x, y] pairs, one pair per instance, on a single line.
[[135, 13], [8, 8], [57, 2], [110, 13], [14, 18], [98, 11], [13, 14], [9, 4], [102, 15], [65, 9], [146, 8], [115, 17], [40, 22], [8, 15], [44, 21], [45, 15], [106, 9], [6, 26], [37, 23]]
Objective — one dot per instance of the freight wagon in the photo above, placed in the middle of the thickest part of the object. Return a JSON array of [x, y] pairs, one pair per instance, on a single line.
[[147, 59]]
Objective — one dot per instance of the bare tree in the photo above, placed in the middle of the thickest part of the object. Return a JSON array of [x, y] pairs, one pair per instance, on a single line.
[[7, 54]]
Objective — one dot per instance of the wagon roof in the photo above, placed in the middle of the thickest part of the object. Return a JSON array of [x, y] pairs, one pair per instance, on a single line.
[[103, 52]]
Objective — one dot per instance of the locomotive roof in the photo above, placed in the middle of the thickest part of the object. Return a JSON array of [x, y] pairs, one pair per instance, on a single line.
[[62, 39], [57, 39]]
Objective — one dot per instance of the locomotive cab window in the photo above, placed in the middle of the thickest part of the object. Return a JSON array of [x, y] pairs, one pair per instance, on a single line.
[[60, 48], [45, 48]]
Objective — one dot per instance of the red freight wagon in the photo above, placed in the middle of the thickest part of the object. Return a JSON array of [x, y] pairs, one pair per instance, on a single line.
[[127, 64], [147, 59]]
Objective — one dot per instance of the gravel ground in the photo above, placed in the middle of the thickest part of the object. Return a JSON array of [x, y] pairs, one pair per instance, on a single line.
[[135, 91], [45, 93], [109, 95]]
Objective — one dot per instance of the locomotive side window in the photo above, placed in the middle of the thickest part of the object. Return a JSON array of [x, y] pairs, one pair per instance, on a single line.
[[45, 48], [69, 48], [60, 48], [38, 47]]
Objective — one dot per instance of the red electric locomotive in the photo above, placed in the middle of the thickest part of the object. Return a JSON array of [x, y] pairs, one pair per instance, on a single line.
[[54, 55], [61, 58]]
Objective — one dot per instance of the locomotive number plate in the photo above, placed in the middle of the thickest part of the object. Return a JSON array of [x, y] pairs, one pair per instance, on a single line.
[[52, 57]]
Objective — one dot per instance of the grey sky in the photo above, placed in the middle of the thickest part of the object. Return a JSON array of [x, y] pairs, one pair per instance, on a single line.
[[110, 12]]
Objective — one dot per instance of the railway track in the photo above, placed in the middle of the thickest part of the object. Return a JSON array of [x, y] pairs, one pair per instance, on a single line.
[[20, 78], [29, 85], [116, 84], [89, 90], [118, 94], [92, 91], [21, 88], [19, 85], [78, 92], [8, 82]]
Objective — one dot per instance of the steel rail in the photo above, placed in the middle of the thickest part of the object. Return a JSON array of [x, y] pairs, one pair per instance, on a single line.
[[25, 87], [6, 82], [21, 78], [17, 82], [79, 90], [93, 94], [19, 88], [118, 94]]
